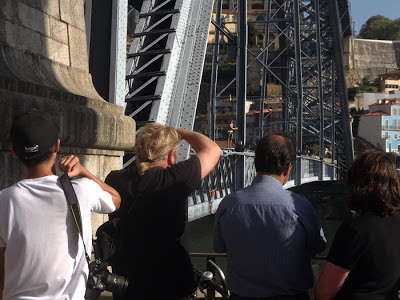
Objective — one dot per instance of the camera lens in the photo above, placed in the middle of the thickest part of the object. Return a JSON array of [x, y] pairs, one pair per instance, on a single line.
[[116, 283]]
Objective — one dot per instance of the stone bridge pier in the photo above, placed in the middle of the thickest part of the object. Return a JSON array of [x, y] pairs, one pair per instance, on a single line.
[[44, 65]]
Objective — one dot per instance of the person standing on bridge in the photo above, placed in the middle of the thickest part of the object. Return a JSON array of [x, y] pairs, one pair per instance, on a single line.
[[269, 233], [231, 129], [364, 259], [154, 208], [41, 256]]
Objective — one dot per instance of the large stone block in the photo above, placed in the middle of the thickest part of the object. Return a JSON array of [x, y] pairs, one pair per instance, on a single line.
[[78, 48], [33, 19], [33, 3], [31, 68], [58, 30], [56, 51], [3, 36], [83, 122], [72, 13], [9, 11], [22, 38], [51, 8]]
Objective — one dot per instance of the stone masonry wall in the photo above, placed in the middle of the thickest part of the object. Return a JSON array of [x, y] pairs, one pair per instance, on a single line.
[[371, 57], [44, 65]]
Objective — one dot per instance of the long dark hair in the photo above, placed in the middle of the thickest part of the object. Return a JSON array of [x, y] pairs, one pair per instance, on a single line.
[[373, 185]]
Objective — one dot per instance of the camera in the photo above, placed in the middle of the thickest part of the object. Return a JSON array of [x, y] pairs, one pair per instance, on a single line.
[[100, 279], [105, 250]]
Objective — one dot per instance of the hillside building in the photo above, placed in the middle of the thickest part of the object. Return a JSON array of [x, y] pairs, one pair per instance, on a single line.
[[256, 12], [381, 126], [390, 81]]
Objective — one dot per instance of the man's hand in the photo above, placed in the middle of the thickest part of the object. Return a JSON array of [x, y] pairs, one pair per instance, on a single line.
[[70, 164], [207, 151]]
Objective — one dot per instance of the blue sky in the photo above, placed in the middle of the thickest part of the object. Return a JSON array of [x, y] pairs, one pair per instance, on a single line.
[[361, 10]]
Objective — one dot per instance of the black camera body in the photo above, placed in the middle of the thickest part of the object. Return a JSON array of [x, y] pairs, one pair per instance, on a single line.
[[100, 279], [105, 249]]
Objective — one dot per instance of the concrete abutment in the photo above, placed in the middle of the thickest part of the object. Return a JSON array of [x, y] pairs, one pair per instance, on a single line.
[[44, 65]]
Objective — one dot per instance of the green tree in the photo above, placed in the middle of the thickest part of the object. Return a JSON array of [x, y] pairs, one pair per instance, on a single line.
[[366, 85], [380, 28]]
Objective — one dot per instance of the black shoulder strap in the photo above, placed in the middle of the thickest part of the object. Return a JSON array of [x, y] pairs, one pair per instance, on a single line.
[[74, 206]]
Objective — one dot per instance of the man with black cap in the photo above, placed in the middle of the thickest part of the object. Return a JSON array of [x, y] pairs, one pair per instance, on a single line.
[[41, 255]]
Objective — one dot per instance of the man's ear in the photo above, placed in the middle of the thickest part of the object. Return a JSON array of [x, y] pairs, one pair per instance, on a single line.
[[57, 146], [13, 152], [287, 171], [171, 157]]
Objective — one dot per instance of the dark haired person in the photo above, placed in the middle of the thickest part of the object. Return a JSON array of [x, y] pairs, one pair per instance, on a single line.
[[231, 129], [41, 255], [364, 260], [268, 233], [154, 200]]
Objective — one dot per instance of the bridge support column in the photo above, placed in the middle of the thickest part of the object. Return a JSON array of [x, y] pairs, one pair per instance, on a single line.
[[45, 66], [241, 84]]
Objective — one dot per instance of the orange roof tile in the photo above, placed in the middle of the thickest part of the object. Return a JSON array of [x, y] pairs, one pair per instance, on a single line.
[[377, 113]]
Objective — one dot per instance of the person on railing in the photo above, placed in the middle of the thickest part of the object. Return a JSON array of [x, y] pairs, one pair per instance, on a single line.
[[231, 129], [269, 233], [154, 194], [364, 260]]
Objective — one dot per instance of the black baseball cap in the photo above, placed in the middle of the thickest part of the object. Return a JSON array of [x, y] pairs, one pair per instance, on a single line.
[[33, 133]]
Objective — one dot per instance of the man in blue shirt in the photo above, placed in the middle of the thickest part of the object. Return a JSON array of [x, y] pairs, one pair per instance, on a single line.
[[269, 233]]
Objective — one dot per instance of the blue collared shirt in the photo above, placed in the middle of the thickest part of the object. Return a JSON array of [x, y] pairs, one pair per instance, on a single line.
[[269, 235]]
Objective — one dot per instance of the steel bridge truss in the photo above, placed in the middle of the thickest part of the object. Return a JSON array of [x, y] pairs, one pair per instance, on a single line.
[[165, 63], [308, 64]]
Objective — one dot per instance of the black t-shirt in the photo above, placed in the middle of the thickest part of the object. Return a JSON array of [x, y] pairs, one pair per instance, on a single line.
[[369, 246], [155, 262]]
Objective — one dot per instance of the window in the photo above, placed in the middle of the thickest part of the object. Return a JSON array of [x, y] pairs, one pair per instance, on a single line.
[[386, 123], [260, 26], [257, 6], [394, 124], [395, 136], [398, 148], [395, 112], [386, 135]]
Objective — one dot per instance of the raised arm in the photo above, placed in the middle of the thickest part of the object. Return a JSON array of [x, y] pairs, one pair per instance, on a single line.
[[330, 281], [207, 151], [71, 165]]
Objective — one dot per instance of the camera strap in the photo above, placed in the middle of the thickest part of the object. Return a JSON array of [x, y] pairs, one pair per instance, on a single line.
[[74, 207]]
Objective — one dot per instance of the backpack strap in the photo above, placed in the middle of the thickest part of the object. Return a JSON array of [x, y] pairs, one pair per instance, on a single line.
[[74, 207]]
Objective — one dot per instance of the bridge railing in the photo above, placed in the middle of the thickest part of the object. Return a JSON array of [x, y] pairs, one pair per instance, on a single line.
[[222, 177]]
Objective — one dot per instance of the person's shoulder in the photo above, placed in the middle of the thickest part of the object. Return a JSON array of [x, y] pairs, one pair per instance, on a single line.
[[12, 190], [192, 160], [188, 169], [84, 184], [8, 194], [233, 198], [5, 193], [297, 197], [360, 221]]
